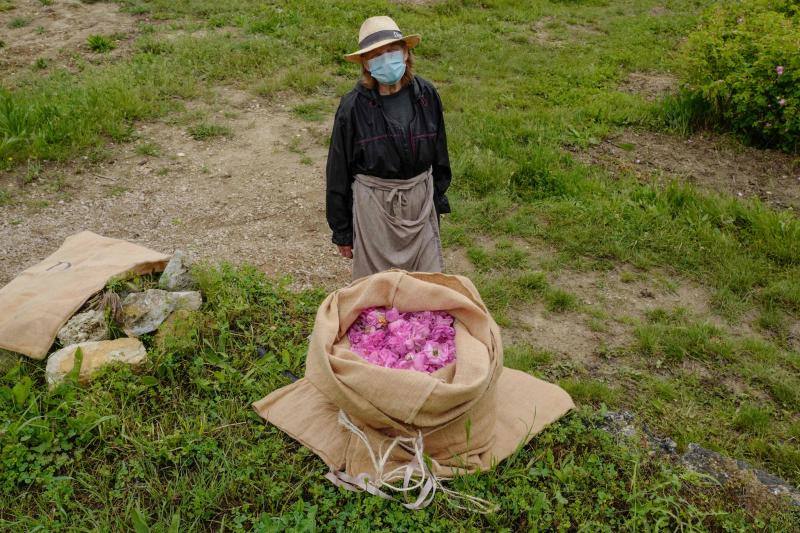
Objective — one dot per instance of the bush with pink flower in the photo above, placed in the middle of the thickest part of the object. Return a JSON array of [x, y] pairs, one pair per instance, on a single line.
[[744, 63], [423, 340]]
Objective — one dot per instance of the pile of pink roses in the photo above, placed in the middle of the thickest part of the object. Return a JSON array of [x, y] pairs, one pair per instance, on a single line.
[[422, 340]]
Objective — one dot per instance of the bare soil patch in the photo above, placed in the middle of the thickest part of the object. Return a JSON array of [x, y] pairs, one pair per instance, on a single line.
[[650, 85], [256, 197], [706, 160], [543, 32], [614, 302], [59, 31]]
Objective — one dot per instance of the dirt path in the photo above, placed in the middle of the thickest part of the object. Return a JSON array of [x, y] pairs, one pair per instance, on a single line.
[[255, 197]]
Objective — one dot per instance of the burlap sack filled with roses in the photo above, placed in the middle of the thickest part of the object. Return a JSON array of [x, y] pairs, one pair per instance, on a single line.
[[469, 415]]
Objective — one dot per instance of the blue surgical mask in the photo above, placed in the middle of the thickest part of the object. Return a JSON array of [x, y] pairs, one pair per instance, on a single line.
[[388, 68]]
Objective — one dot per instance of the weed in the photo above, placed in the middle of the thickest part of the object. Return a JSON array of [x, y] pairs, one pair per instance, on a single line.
[[117, 190], [5, 197], [33, 172], [559, 301], [148, 149], [18, 22], [100, 43], [207, 130], [313, 111], [40, 63]]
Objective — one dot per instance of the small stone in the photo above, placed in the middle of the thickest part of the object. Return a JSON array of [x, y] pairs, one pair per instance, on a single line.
[[176, 275], [143, 312], [83, 327], [95, 355]]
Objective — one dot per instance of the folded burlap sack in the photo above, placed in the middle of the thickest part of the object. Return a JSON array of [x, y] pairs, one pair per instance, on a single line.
[[38, 302], [464, 417]]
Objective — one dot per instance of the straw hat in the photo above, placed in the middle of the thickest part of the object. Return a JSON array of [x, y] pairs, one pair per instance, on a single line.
[[377, 32]]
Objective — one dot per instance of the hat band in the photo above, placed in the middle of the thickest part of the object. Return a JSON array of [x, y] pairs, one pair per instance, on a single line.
[[381, 35]]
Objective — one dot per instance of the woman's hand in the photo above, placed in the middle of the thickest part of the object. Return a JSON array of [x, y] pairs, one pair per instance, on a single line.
[[346, 251]]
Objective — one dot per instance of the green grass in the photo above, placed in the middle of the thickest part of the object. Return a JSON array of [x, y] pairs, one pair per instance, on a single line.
[[100, 43], [18, 22], [590, 391], [175, 442], [559, 301], [313, 111], [208, 130], [149, 149], [526, 358], [5, 197]]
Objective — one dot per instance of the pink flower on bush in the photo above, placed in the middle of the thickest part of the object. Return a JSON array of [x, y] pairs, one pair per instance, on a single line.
[[782, 102], [779, 70], [422, 341]]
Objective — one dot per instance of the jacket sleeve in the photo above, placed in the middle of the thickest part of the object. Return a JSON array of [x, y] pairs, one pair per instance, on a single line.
[[338, 191], [441, 165]]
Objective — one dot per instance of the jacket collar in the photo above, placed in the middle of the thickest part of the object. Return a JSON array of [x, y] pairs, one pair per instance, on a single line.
[[373, 95]]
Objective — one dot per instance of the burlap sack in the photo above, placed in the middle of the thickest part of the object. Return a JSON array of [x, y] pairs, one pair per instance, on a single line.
[[470, 414], [35, 305]]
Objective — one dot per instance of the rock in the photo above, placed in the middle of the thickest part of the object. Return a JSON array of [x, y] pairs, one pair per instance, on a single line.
[[176, 275], [657, 443], [753, 483], [95, 355], [143, 312], [619, 423], [726, 471], [622, 423], [189, 300], [83, 327]]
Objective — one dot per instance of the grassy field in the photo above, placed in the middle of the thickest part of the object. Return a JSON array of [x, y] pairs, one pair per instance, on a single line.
[[524, 84]]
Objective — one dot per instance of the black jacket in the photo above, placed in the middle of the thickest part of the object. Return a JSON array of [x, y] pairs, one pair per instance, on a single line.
[[365, 142]]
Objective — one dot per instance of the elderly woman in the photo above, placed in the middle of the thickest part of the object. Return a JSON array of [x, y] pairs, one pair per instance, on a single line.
[[388, 168]]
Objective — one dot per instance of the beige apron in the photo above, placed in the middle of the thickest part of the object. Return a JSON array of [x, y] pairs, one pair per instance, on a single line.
[[395, 225]]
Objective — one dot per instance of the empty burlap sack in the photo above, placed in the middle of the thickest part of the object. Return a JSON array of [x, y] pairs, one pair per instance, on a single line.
[[465, 417]]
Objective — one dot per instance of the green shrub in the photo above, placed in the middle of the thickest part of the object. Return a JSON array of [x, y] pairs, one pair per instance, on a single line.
[[743, 61]]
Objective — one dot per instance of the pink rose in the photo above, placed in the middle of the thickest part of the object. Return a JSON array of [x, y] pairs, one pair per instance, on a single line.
[[779, 70], [423, 341]]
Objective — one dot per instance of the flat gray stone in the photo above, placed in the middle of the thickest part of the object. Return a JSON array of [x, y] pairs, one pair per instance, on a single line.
[[726, 470], [143, 312], [176, 275]]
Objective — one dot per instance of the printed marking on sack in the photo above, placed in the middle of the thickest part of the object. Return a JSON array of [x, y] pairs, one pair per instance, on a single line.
[[66, 266]]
